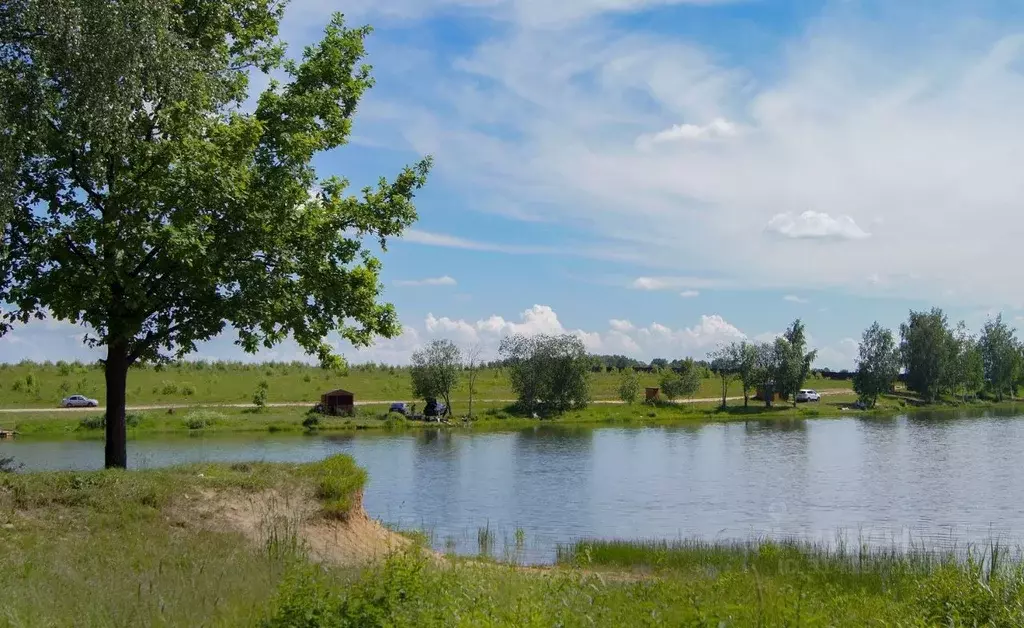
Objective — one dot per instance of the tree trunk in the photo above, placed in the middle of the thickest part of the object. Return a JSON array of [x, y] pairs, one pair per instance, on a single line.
[[725, 390], [746, 397], [116, 371]]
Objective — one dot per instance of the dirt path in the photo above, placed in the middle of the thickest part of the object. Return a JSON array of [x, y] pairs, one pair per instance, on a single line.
[[299, 404]]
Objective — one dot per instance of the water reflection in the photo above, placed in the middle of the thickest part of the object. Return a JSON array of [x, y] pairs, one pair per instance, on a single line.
[[922, 479]]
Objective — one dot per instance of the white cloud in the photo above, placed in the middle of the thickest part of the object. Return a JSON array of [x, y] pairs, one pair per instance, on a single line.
[[675, 283], [622, 326], [859, 120], [430, 281], [719, 128], [621, 337], [689, 294], [842, 355], [792, 298], [815, 225]]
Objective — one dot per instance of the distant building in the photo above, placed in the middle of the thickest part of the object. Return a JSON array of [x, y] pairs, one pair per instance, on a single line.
[[338, 402]]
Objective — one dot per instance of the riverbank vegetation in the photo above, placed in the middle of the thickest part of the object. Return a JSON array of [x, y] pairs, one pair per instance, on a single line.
[[209, 421], [250, 544]]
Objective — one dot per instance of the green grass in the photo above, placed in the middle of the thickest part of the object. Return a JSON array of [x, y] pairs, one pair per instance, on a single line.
[[779, 586], [110, 548], [115, 548], [32, 385]]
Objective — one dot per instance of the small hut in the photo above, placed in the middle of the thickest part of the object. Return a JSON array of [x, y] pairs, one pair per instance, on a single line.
[[338, 402], [651, 395]]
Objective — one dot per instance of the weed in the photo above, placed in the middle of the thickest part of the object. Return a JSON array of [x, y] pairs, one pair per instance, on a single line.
[[485, 540]]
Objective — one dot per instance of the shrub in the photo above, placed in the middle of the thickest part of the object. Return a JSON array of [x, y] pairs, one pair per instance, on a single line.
[[17, 385], [93, 422], [629, 386], [200, 419], [169, 388], [307, 378], [311, 422], [259, 398], [339, 483], [99, 422], [188, 390]]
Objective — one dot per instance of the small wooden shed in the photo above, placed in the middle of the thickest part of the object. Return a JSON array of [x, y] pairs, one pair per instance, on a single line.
[[338, 402], [651, 394]]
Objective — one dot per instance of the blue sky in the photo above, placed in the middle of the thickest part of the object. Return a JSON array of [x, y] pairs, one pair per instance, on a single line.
[[661, 176]]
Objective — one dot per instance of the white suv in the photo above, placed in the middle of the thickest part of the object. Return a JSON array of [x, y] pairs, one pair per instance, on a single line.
[[806, 394], [78, 401]]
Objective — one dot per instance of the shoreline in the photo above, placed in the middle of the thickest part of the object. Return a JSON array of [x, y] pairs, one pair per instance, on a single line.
[[202, 420]]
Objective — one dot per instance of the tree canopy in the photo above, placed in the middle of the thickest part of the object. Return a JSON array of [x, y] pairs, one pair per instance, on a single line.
[[436, 370], [878, 364], [148, 201], [547, 373]]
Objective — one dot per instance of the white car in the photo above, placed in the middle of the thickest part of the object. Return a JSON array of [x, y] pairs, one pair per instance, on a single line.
[[78, 401], [806, 394]]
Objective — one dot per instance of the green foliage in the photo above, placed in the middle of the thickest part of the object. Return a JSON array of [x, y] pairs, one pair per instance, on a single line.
[[727, 363], [201, 419], [925, 348], [188, 390], [436, 370], [683, 384], [99, 422], [878, 364], [1001, 357], [131, 171], [169, 388], [311, 422], [259, 398], [629, 386], [339, 485], [794, 362], [549, 373]]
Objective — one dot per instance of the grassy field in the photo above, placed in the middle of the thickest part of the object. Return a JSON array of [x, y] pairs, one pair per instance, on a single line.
[[32, 385], [116, 548]]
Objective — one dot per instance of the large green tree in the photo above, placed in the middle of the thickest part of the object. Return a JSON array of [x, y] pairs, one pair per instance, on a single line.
[[547, 373], [1000, 353], [794, 360], [925, 341], [151, 203], [878, 364]]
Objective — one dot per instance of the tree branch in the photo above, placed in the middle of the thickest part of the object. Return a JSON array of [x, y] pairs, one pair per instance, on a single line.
[[78, 253], [146, 260]]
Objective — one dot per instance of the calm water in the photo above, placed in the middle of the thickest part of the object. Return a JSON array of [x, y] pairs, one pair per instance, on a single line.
[[902, 480]]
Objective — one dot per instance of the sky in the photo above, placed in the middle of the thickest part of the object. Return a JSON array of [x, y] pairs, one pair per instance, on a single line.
[[663, 176]]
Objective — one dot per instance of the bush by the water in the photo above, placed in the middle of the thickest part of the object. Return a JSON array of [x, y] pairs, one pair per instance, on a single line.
[[200, 419], [99, 422], [339, 481]]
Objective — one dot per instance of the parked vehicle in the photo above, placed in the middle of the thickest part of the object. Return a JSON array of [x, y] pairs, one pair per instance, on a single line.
[[400, 408], [78, 401], [806, 394], [434, 408]]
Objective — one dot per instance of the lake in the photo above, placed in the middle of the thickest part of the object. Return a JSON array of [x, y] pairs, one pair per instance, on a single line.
[[929, 480]]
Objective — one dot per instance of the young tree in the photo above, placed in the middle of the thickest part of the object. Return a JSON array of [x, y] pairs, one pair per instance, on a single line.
[[435, 371], [691, 376], [551, 373], [473, 363], [149, 206], [878, 364], [925, 341], [725, 362], [671, 385], [746, 355], [794, 361], [1000, 352], [629, 386], [766, 366]]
